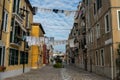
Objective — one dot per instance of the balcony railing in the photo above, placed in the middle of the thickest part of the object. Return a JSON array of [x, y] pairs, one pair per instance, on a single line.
[[18, 18]]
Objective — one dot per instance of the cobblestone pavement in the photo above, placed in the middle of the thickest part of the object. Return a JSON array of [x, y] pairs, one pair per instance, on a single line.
[[50, 73]]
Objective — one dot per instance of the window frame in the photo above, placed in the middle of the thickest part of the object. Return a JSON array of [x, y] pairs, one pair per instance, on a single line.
[[118, 19], [98, 31], [97, 58], [106, 31], [16, 6], [102, 57], [14, 58], [5, 20], [94, 9], [91, 36], [99, 4]]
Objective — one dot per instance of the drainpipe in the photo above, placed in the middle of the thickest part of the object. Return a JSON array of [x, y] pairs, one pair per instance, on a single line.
[[112, 64], [2, 19]]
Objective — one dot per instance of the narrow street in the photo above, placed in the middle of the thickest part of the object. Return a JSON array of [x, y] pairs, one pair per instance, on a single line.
[[50, 73]]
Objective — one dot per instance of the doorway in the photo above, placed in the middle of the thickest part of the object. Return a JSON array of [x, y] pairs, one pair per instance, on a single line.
[[2, 55], [90, 64]]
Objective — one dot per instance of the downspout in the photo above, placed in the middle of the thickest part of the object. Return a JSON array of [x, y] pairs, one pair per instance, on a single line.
[[2, 20], [112, 48]]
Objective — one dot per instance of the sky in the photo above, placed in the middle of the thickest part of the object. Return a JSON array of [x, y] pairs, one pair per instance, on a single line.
[[56, 25]]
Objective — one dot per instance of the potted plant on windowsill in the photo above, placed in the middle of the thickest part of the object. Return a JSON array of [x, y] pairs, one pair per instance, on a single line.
[[2, 68]]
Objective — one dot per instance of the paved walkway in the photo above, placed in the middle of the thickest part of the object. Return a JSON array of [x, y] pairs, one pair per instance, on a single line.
[[50, 73]]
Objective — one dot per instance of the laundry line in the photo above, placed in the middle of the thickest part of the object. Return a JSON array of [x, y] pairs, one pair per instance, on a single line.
[[66, 12], [39, 41]]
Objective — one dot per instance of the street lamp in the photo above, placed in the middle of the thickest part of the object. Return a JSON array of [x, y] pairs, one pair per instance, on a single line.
[[23, 15]]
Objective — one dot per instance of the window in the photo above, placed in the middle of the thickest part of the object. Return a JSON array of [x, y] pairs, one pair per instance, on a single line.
[[102, 57], [16, 32], [97, 31], [97, 58], [99, 4], [5, 20], [91, 36], [2, 55], [16, 5], [23, 57], [94, 8], [28, 21], [78, 32], [87, 2], [107, 23], [13, 57], [87, 39], [118, 13]]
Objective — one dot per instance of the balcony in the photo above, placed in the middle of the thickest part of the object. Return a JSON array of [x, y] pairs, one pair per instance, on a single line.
[[83, 44], [16, 34], [16, 41], [83, 23], [83, 16], [18, 18], [76, 15], [84, 47], [76, 52], [84, 30], [77, 44]]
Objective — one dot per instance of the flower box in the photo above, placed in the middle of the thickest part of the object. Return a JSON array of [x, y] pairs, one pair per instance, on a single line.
[[2, 68]]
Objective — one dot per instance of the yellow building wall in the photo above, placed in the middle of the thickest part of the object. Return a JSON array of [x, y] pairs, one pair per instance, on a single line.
[[37, 56], [35, 50], [6, 37]]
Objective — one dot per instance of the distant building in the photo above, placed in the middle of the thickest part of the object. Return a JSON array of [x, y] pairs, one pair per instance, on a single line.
[[37, 52], [50, 53]]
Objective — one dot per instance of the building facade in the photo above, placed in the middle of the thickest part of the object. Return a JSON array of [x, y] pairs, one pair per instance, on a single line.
[[102, 26], [16, 20], [38, 52], [99, 25]]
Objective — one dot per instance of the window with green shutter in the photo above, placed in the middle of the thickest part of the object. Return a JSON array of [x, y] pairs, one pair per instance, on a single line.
[[13, 57]]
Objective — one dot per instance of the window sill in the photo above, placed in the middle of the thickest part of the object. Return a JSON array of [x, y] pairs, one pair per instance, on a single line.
[[5, 31]]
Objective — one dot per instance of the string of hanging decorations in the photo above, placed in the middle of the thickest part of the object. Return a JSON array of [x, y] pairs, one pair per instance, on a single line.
[[66, 12], [47, 40]]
